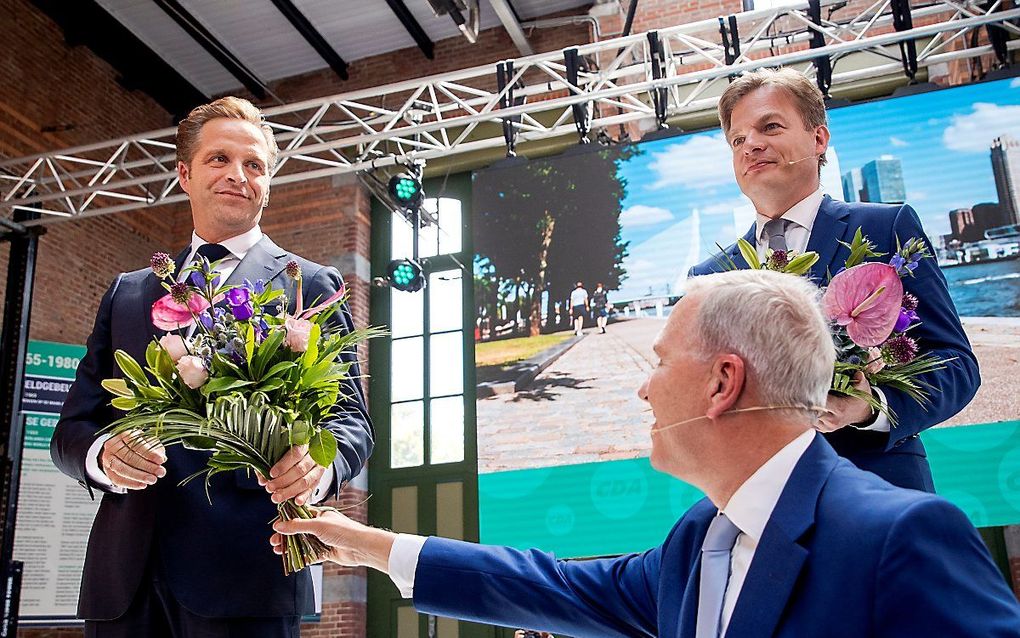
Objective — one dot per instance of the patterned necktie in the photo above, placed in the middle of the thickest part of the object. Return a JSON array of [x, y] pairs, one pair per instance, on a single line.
[[715, 574], [775, 229]]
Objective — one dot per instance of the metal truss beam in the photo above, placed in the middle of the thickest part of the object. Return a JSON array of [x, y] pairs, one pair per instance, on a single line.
[[461, 111]]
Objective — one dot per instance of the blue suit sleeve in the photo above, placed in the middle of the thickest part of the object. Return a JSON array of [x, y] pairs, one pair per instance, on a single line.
[[503, 586], [352, 426], [940, 579], [940, 334], [87, 408]]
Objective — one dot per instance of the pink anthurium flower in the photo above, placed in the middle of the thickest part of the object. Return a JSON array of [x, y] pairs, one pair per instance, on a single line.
[[168, 314], [866, 300]]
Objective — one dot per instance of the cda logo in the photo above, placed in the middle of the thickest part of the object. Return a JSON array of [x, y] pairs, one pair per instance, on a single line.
[[619, 490]]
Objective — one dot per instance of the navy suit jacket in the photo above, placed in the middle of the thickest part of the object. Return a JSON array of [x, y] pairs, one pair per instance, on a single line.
[[898, 456], [216, 558], [844, 555]]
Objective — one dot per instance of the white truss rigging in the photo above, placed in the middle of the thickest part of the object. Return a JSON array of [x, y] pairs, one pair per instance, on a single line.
[[462, 111]]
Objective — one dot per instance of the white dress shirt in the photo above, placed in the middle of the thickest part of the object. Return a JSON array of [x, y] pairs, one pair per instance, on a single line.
[[749, 509], [802, 217], [238, 247]]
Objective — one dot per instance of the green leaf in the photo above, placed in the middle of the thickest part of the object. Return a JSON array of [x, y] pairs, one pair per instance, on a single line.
[[300, 433], [801, 263], [271, 384], [266, 351], [118, 387], [165, 366], [278, 369], [249, 342], [124, 403], [152, 353], [223, 384], [749, 253], [199, 443], [312, 353], [322, 447], [130, 367]]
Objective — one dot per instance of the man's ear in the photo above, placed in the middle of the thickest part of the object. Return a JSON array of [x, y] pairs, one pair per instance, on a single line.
[[727, 384], [184, 177], [821, 139]]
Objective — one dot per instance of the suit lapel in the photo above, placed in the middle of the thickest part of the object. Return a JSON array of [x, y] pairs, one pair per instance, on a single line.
[[779, 557], [265, 260], [828, 230]]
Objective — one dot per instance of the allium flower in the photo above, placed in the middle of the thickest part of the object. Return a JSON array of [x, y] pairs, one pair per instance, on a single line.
[[899, 349], [175, 346], [298, 333], [162, 265], [293, 270], [778, 260], [180, 292], [909, 302], [866, 300], [192, 371]]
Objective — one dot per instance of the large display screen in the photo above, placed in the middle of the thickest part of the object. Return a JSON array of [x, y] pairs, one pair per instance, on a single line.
[[563, 439]]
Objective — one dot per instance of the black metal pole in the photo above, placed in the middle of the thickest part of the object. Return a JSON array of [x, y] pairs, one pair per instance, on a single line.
[[13, 346]]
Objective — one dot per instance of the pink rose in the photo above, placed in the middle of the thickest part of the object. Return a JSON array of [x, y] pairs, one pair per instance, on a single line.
[[192, 371], [175, 345], [298, 333], [875, 361], [167, 314]]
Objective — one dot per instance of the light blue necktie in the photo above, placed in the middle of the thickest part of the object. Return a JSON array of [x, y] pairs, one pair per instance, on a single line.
[[715, 573]]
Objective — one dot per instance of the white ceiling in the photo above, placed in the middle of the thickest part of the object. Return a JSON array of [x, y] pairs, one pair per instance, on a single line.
[[260, 36]]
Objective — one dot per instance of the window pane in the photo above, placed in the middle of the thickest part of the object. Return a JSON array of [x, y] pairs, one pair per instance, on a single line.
[[406, 313], [407, 434], [446, 364], [450, 221], [407, 622], [447, 430], [400, 239], [428, 236], [450, 510], [407, 369], [405, 509], [446, 301]]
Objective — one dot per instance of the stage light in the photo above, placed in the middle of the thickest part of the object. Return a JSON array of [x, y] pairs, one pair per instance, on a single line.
[[406, 190], [405, 275]]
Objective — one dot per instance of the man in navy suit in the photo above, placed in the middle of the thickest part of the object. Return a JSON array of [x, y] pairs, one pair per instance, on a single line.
[[775, 124], [791, 541], [162, 560]]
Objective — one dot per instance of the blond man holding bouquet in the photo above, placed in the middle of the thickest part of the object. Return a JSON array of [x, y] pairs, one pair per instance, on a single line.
[[775, 124], [165, 560]]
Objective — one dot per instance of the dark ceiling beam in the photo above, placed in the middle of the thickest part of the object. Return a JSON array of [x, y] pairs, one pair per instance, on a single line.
[[413, 28], [86, 23], [313, 37], [230, 62]]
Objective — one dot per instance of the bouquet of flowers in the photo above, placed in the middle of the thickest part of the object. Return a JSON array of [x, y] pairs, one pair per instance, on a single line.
[[871, 316], [248, 383]]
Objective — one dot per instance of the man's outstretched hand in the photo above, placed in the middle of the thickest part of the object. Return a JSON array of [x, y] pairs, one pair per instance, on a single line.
[[350, 542]]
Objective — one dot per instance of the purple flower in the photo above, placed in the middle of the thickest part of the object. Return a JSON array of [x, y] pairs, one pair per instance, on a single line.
[[258, 287], [909, 302], [238, 297], [897, 261], [162, 265], [180, 292], [206, 320], [900, 349], [293, 270], [911, 266], [906, 318], [242, 312]]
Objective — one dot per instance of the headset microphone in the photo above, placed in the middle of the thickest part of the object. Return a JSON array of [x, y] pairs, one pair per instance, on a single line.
[[800, 160]]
